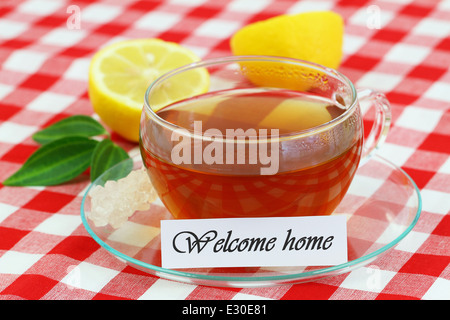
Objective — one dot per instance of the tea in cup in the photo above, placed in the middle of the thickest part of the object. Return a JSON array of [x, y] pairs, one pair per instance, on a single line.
[[271, 137]]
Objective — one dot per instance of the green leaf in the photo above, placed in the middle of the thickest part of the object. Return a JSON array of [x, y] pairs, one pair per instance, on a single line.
[[120, 170], [55, 162], [106, 155], [78, 125]]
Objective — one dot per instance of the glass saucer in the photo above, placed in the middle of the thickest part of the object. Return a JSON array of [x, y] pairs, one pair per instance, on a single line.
[[381, 206]]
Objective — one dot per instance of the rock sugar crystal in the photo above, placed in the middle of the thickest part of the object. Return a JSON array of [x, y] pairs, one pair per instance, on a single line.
[[116, 201]]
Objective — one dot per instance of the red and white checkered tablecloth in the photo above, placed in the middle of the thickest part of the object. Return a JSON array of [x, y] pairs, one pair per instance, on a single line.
[[401, 48]]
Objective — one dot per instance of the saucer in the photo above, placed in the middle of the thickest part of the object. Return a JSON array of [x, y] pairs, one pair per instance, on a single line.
[[381, 206]]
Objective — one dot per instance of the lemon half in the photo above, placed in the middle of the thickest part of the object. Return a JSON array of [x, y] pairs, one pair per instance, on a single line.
[[311, 36], [315, 36], [120, 74]]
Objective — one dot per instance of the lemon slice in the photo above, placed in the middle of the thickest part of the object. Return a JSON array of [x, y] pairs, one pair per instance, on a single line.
[[120, 74]]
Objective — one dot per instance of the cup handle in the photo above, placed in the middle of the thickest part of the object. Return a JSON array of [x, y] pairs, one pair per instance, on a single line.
[[382, 121]]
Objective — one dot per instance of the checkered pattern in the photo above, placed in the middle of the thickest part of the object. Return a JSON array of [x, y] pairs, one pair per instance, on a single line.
[[399, 47]]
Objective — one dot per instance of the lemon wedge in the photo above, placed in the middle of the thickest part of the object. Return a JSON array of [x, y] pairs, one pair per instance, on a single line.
[[120, 73]]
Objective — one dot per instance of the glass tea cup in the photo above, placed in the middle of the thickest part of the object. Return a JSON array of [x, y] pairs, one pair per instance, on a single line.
[[270, 137]]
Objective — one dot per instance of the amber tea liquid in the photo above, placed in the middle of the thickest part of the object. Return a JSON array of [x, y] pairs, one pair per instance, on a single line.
[[299, 188]]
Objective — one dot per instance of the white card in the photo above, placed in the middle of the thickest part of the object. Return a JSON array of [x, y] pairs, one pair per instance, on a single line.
[[245, 242]]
